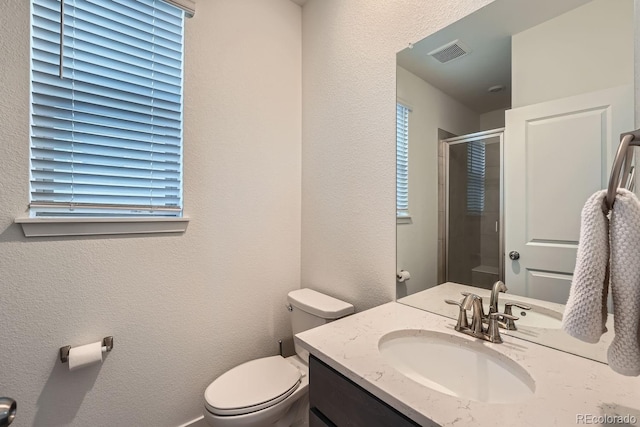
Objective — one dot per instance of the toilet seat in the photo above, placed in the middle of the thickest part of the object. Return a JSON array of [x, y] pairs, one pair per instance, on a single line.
[[252, 386]]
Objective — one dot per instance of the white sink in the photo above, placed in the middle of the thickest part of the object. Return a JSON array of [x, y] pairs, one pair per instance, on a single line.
[[456, 366]]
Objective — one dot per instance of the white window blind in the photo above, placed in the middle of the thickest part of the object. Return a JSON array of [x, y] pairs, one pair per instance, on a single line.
[[402, 160], [189, 6], [106, 138], [475, 177]]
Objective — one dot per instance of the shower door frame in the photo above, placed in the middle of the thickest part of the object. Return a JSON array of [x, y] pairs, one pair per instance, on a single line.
[[463, 139]]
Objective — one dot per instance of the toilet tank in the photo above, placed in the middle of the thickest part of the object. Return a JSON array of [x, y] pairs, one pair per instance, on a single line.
[[310, 308]]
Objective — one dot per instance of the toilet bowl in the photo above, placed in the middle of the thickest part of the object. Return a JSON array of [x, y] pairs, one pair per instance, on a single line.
[[272, 391], [263, 392]]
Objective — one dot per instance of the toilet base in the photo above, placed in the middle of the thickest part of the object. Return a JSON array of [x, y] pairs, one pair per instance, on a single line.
[[302, 416]]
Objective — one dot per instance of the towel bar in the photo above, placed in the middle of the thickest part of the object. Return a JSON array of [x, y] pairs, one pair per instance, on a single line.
[[624, 157]]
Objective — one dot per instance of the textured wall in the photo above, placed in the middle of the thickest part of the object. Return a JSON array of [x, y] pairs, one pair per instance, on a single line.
[[348, 148], [636, 49], [492, 120], [182, 308], [431, 110], [586, 49]]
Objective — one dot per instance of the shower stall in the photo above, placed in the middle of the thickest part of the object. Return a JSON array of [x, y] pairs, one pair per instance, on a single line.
[[473, 211]]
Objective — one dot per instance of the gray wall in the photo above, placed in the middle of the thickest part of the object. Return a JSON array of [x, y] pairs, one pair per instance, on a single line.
[[417, 240], [348, 151], [182, 308], [185, 308]]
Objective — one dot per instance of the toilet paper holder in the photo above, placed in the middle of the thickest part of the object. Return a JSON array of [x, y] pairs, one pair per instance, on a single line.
[[64, 351]]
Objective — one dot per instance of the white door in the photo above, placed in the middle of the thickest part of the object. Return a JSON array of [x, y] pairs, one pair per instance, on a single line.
[[556, 154]]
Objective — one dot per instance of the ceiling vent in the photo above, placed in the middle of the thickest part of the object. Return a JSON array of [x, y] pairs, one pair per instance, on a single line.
[[450, 51]]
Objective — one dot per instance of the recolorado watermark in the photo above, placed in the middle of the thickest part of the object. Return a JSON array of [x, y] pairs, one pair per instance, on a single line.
[[605, 419]]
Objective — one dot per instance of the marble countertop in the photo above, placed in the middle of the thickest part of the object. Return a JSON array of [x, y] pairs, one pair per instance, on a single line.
[[566, 385], [432, 300]]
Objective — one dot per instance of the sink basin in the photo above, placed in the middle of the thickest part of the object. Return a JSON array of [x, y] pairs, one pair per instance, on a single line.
[[456, 366]]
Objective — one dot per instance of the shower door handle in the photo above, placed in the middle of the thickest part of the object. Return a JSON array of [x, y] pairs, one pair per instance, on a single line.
[[514, 255]]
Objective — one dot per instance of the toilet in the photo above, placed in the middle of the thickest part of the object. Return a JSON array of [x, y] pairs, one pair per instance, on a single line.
[[272, 391]]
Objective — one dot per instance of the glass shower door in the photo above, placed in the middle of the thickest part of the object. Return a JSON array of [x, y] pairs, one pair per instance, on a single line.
[[474, 209]]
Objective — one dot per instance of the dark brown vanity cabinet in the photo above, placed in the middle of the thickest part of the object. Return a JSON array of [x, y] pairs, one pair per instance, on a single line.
[[337, 401]]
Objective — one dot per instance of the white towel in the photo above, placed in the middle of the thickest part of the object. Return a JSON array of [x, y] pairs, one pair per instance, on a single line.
[[624, 351], [586, 310], [585, 314]]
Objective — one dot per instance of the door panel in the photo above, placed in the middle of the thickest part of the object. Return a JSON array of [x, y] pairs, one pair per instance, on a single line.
[[557, 154], [548, 285], [562, 143]]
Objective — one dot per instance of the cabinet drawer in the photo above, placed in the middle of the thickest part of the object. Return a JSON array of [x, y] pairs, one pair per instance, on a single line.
[[346, 404]]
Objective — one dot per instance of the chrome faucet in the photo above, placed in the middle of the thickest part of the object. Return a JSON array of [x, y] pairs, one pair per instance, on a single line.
[[509, 324], [493, 301], [474, 303], [506, 319], [493, 329]]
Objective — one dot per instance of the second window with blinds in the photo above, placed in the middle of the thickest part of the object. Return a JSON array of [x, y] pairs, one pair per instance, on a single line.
[[402, 162], [106, 101]]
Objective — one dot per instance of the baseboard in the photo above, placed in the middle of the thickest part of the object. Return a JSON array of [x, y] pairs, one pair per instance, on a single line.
[[198, 422]]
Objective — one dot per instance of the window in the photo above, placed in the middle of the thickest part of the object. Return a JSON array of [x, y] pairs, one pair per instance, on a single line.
[[402, 161], [475, 177], [106, 109]]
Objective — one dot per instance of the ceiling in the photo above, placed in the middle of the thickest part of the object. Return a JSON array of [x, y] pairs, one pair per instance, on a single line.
[[487, 32], [300, 2]]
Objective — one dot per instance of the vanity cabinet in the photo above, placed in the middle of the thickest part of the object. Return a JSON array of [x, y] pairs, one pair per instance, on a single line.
[[335, 400]]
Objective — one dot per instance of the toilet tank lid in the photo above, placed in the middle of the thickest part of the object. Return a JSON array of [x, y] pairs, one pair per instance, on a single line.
[[318, 304]]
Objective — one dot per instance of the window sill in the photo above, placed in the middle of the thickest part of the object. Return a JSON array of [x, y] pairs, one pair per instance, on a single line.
[[55, 227]]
